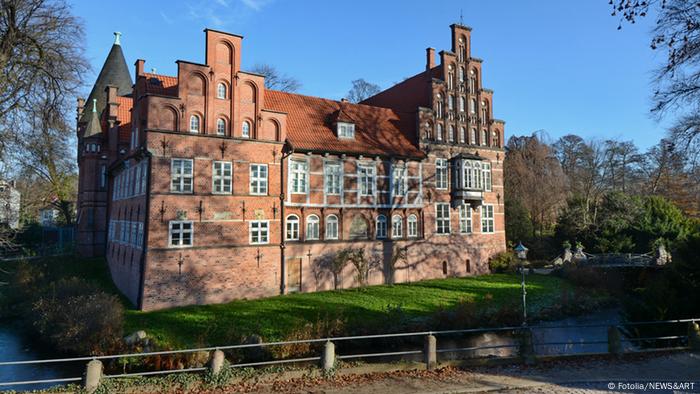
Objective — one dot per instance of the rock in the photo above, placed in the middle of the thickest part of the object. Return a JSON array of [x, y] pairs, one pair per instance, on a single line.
[[254, 353], [135, 338]]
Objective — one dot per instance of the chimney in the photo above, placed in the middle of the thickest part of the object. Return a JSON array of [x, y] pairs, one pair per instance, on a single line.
[[112, 104], [81, 106], [139, 67], [430, 58]]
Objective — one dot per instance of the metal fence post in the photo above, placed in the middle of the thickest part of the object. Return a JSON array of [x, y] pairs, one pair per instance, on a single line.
[[93, 376], [693, 336], [527, 346], [328, 357], [430, 352], [217, 362], [614, 341]]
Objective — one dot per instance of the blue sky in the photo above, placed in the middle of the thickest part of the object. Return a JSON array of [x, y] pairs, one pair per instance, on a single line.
[[558, 66]]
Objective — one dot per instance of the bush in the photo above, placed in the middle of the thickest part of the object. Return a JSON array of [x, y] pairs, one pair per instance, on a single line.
[[503, 262], [75, 317]]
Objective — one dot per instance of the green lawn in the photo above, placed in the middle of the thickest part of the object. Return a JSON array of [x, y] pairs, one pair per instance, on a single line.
[[274, 318]]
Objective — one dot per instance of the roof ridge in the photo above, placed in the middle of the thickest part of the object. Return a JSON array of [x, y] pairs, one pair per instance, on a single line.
[[329, 99]]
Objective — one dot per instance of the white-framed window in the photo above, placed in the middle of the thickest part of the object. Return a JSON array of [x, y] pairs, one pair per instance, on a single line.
[[441, 174], [465, 219], [412, 226], [245, 129], [398, 181], [298, 175], [181, 175], [450, 77], [331, 227], [366, 179], [220, 126], [442, 218], [472, 136], [440, 131], [221, 90], [181, 233], [259, 232], [483, 139], [484, 112], [461, 74], [472, 106], [258, 179], [396, 226], [487, 219], [346, 130], [195, 124], [334, 176], [462, 104], [486, 167], [451, 103], [451, 134], [292, 233], [312, 227], [381, 226], [462, 135], [221, 177], [438, 105]]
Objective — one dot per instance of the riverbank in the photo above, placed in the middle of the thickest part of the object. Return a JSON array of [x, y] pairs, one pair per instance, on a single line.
[[487, 300]]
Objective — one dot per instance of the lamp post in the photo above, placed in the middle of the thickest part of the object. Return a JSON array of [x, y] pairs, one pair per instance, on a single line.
[[521, 252]]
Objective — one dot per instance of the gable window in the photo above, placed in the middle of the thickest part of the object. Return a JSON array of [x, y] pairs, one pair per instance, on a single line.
[[462, 135], [259, 232], [487, 222], [258, 179], [412, 226], [334, 175], [439, 132], [181, 175], [222, 177], [194, 124], [221, 90], [399, 181], [484, 112], [245, 129], [180, 233], [298, 176], [312, 227], [472, 106], [366, 179], [396, 227], [465, 219], [442, 218], [441, 174], [450, 77], [451, 134], [331, 227], [220, 127], [462, 104], [292, 233], [381, 226], [461, 74], [438, 105], [472, 137], [346, 130], [451, 103], [483, 137]]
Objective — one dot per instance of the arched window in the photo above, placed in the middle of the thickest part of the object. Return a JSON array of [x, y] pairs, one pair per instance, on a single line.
[[461, 74], [444, 267], [472, 137], [438, 105], [472, 80], [496, 141], [462, 104], [439, 132], [484, 137], [292, 228], [312, 227], [194, 124], [221, 90], [472, 106], [381, 226], [462, 135], [331, 227], [412, 226], [220, 127], [484, 112], [245, 129], [428, 130], [396, 227], [451, 134], [451, 103], [450, 77]]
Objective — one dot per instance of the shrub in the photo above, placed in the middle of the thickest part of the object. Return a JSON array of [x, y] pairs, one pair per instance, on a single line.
[[503, 262], [75, 317]]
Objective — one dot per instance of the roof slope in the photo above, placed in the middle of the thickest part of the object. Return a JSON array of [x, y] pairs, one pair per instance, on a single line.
[[114, 72], [378, 131], [161, 84]]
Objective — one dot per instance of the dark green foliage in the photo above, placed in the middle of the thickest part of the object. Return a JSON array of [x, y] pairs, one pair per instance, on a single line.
[[518, 222], [504, 262]]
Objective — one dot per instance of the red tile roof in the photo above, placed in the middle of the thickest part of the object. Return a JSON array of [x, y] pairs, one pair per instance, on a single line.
[[124, 116], [161, 84], [378, 131]]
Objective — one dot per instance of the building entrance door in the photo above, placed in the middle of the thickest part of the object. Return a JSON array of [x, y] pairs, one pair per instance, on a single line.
[[294, 275]]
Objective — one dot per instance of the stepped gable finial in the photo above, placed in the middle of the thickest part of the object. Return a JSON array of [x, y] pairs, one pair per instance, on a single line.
[[117, 35], [94, 105], [461, 18]]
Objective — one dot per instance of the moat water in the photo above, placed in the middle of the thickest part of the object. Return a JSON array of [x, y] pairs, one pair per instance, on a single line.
[[15, 345]]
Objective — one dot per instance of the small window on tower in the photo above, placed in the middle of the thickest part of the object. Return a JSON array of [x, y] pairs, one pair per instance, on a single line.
[[346, 130]]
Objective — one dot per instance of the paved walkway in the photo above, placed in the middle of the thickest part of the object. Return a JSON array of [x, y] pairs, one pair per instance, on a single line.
[[591, 375]]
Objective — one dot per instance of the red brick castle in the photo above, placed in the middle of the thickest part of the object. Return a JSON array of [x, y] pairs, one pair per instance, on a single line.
[[206, 187]]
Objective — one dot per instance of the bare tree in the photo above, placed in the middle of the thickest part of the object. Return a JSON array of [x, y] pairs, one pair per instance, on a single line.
[[274, 80], [362, 90]]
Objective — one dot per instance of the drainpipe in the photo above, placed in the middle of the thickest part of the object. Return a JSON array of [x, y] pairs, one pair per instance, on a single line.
[[283, 267]]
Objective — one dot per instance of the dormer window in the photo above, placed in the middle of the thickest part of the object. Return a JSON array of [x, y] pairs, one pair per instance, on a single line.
[[346, 130]]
